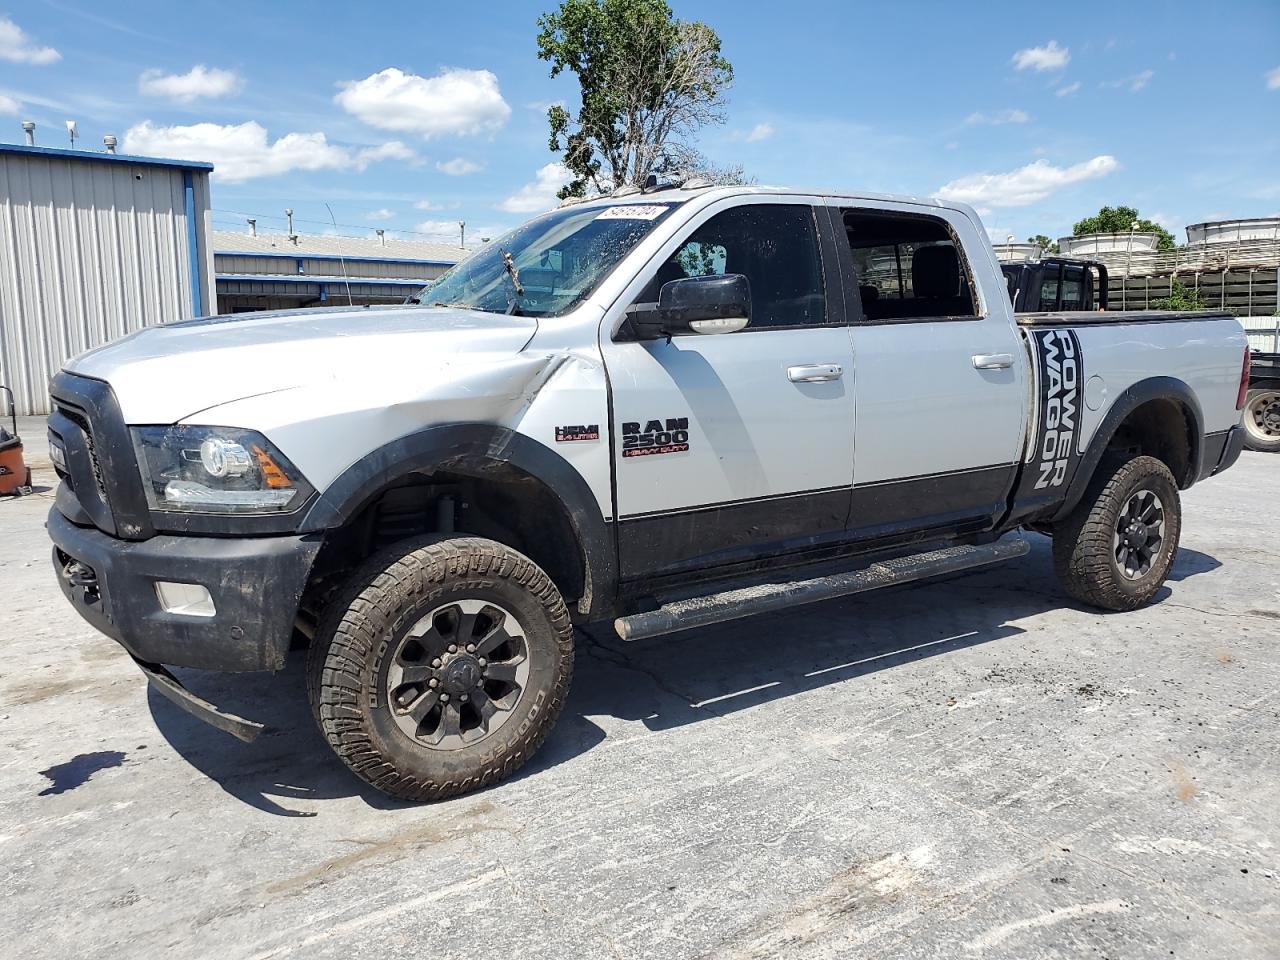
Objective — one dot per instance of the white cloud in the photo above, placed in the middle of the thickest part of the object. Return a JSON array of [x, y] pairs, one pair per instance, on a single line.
[[459, 167], [391, 150], [17, 47], [761, 131], [999, 117], [440, 229], [541, 193], [427, 205], [243, 151], [1068, 90], [1026, 185], [1134, 83], [199, 81], [8, 104], [1049, 57], [454, 102], [1273, 79], [383, 213]]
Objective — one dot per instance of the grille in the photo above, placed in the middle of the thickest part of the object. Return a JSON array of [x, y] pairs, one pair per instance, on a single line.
[[80, 420]]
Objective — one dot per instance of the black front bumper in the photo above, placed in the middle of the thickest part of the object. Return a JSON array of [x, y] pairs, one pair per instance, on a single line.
[[255, 583]]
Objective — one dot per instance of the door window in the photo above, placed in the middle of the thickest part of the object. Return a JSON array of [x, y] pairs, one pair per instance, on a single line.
[[908, 266], [774, 245]]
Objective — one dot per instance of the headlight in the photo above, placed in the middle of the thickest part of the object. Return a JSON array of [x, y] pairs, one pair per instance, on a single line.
[[215, 470]]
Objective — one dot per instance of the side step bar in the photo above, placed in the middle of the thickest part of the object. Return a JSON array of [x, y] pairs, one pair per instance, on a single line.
[[747, 601]]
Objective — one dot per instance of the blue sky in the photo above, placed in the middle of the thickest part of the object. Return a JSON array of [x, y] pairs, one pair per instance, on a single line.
[[410, 116]]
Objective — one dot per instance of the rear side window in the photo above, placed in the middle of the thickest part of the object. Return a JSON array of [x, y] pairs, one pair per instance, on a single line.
[[775, 245], [908, 267]]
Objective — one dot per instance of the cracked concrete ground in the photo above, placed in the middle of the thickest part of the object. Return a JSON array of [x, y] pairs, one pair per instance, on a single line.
[[971, 768]]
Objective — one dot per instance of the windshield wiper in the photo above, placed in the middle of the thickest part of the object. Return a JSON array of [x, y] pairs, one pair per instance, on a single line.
[[509, 264]]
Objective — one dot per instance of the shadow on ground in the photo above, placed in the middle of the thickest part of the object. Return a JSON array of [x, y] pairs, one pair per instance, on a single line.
[[663, 683]]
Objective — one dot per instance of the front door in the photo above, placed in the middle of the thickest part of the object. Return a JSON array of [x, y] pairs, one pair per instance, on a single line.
[[734, 446]]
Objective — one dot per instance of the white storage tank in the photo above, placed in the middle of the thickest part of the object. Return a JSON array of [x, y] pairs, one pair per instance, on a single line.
[[1251, 230], [1095, 243], [1018, 252]]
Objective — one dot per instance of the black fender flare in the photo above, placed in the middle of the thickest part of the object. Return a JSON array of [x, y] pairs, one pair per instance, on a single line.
[[476, 448], [1134, 396]]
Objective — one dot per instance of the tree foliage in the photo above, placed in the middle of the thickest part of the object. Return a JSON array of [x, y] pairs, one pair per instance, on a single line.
[[1044, 243], [648, 82], [1181, 297], [1120, 220]]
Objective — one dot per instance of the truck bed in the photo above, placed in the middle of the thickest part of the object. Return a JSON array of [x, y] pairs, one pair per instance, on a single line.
[[1077, 318]]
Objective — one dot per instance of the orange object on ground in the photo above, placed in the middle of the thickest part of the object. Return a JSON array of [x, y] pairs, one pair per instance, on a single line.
[[15, 475]]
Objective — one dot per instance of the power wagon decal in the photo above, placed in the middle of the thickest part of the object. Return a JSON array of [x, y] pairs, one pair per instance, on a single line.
[[1055, 453], [655, 437]]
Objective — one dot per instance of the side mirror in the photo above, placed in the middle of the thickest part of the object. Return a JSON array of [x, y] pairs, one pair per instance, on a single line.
[[716, 304]]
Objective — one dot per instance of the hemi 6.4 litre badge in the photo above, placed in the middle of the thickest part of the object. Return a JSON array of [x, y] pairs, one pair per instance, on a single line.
[[578, 431], [655, 436]]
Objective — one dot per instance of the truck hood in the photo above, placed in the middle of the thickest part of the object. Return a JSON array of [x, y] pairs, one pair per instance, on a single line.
[[167, 373]]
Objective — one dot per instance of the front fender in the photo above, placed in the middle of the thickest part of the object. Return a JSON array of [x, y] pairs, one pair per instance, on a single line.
[[476, 449]]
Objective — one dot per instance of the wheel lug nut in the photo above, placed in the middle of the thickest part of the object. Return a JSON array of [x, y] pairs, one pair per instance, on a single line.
[[463, 697], [471, 648], [453, 648], [483, 662], [433, 683], [436, 663], [444, 698]]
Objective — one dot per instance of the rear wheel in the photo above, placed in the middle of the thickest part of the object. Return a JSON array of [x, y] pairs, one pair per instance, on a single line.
[[1115, 549], [442, 667], [1261, 420]]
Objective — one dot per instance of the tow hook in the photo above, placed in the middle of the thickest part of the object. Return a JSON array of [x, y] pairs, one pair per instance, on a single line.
[[83, 577]]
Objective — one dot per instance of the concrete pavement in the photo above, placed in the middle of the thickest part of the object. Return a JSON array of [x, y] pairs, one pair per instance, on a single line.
[[974, 768]]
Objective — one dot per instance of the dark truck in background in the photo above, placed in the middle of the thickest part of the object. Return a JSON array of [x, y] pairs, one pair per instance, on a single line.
[[1261, 419]]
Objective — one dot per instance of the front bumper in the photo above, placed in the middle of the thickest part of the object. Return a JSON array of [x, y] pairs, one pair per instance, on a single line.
[[255, 584]]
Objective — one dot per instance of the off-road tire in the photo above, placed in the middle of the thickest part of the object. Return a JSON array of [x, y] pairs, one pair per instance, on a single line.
[[381, 602], [1084, 556], [1257, 437]]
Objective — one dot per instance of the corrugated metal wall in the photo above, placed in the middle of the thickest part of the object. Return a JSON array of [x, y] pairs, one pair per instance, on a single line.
[[90, 249]]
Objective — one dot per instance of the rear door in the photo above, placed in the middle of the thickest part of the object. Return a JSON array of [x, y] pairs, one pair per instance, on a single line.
[[735, 446], [940, 376]]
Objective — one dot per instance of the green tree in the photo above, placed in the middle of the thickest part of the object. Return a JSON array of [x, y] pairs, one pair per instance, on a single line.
[[1181, 297], [1044, 243], [1120, 220], [647, 81]]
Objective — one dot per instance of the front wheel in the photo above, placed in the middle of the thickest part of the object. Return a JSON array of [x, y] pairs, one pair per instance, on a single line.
[[1261, 420], [1115, 549], [442, 667]]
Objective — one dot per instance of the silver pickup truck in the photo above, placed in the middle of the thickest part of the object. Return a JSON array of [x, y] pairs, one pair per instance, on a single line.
[[663, 409]]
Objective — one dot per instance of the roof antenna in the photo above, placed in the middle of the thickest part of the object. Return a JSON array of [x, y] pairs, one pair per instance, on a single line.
[[341, 258]]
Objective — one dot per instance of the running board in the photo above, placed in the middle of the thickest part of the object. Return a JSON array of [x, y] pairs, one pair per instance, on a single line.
[[748, 601]]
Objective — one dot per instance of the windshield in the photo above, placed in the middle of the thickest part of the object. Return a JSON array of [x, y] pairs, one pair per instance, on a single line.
[[550, 264]]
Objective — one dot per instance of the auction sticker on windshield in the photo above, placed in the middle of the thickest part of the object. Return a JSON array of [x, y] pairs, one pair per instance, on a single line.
[[637, 211]]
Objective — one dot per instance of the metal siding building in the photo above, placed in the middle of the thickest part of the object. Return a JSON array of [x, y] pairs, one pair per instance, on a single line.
[[281, 271], [94, 246]]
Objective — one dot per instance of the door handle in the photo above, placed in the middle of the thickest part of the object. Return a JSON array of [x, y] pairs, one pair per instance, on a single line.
[[815, 372], [992, 361]]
